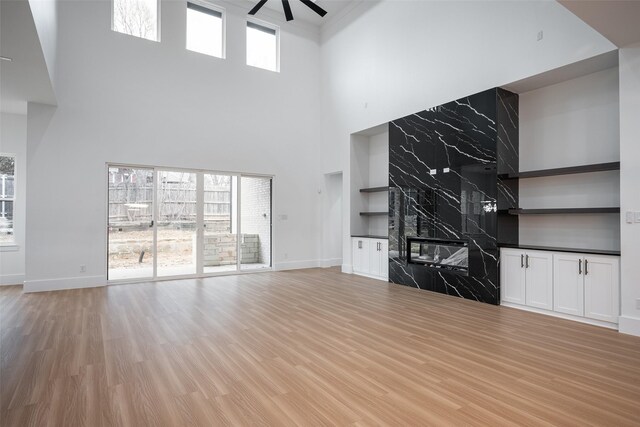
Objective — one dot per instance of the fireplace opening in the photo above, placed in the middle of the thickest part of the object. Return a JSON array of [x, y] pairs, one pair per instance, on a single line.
[[442, 254]]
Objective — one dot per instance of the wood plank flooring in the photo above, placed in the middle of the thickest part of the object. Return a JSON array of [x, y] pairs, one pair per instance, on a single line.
[[306, 347]]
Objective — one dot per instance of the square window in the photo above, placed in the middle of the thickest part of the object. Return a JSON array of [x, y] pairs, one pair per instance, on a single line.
[[205, 30], [262, 46], [137, 18]]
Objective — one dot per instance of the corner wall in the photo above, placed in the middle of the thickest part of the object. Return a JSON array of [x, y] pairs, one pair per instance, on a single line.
[[629, 65]]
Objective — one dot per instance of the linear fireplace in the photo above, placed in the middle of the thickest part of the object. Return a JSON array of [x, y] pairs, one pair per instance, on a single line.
[[444, 254]]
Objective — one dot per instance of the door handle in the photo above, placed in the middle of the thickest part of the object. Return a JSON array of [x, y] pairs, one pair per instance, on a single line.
[[151, 225], [526, 261], [580, 266], [379, 248], [521, 260], [586, 267]]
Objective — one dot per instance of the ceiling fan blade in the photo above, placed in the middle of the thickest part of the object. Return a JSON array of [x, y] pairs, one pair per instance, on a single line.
[[287, 10], [317, 9], [257, 7]]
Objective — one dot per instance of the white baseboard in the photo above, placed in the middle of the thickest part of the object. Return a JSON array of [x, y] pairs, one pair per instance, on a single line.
[[330, 262], [295, 265], [371, 276], [346, 268], [11, 279], [67, 283], [629, 325], [561, 315]]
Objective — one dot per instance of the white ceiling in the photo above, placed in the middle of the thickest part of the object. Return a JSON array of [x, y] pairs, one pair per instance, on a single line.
[[617, 20], [302, 12], [26, 77]]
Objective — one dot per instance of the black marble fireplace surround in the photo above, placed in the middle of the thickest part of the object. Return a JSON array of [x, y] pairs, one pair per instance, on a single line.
[[445, 167]]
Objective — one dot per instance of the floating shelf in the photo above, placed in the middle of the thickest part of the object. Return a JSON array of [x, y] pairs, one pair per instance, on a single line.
[[561, 249], [555, 211], [598, 167], [374, 189], [373, 213]]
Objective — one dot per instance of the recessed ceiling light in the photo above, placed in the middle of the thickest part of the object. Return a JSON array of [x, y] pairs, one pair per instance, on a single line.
[[6, 58]]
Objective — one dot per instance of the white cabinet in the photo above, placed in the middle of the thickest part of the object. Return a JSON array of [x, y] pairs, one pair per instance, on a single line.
[[360, 255], [587, 285], [580, 285], [370, 257], [568, 290], [512, 273], [526, 278]]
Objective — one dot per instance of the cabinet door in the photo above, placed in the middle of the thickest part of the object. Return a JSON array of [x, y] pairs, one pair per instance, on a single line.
[[512, 276], [539, 279], [601, 288], [360, 254], [384, 258], [568, 285], [375, 257]]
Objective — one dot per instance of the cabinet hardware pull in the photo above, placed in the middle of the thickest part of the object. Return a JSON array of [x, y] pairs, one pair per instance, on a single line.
[[379, 246], [579, 266], [359, 244], [586, 267], [526, 264], [521, 260]]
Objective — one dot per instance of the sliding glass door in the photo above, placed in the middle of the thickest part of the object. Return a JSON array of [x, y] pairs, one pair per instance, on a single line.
[[130, 241], [184, 223]]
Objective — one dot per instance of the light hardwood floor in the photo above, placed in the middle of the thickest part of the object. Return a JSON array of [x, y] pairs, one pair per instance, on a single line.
[[307, 347]]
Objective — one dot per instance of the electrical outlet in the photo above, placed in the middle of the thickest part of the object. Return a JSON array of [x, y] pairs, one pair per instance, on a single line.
[[540, 35], [83, 269], [629, 217]]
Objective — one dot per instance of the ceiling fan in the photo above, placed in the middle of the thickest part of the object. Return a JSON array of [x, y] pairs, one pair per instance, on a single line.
[[287, 8]]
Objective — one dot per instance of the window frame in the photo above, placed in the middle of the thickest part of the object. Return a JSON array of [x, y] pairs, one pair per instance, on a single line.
[[215, 8], [158, 22], [267, 25], [13, 244]]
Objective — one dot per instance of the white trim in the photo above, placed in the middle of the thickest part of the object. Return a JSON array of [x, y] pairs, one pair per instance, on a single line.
[[9, 247], [347, 268], [561, 315], [65, 283], [296, 265], [629, 325], [330, 262], [371, 276], [11, 279]]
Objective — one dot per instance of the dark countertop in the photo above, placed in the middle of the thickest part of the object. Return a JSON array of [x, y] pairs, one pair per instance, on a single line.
[[369, 236], [557, 249]]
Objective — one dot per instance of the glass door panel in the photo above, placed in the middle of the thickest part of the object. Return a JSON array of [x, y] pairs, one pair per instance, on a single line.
[[130, 223], [255, 222], [220, 242], [176, 225]]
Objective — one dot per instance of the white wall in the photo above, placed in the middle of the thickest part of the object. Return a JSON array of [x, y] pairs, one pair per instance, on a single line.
[[571, 123], [629, 186], [128, 100], [399, 57], [332, 220], [45, 17], [13, 140]]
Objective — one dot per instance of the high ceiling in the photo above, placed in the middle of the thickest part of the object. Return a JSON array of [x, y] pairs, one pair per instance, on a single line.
[[617, 20], [303, 13], [26, 77]]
